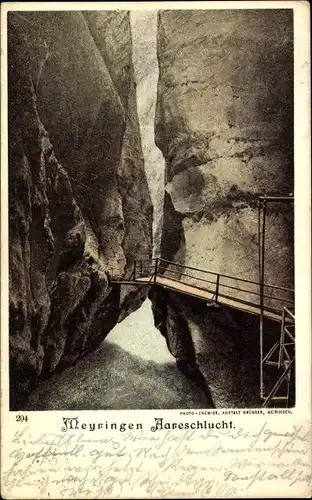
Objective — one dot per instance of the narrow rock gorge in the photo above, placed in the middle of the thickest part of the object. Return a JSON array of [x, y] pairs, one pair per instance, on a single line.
[[224, 123], [80, 208], [100, 174], [144, 36]]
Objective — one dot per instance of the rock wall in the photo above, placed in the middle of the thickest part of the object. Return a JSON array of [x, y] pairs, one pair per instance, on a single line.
[[79, 200], [224, 122], [108, 29]]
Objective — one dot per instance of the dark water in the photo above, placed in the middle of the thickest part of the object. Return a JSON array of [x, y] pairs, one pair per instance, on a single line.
[[115, 378]]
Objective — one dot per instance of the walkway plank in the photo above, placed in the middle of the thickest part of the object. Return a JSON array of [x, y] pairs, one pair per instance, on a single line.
[[208, 295]]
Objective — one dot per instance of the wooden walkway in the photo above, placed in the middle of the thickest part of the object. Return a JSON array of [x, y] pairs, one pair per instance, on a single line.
[[203, 294], [230, 291]]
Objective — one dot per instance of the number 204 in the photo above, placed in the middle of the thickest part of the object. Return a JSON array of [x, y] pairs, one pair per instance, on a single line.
[[21, 418]]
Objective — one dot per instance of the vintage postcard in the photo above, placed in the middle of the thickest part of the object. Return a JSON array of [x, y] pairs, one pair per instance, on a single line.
[[155, 250]]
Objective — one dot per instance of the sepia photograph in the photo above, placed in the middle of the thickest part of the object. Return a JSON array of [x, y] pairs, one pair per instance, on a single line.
[[155, 250], [151, 209]]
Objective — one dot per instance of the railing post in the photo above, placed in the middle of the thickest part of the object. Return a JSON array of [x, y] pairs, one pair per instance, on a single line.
[[217, 286], [134, 269], [156, 269]]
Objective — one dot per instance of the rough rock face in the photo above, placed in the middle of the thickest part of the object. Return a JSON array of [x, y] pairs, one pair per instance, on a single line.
[[108, 29], [224, 122], [76, 186]]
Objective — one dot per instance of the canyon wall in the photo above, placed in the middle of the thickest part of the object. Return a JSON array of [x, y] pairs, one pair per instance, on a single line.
[[79, 204], [224, 123]]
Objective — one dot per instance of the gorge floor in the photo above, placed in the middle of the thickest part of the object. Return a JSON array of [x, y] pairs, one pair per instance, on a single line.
[[132, 369]]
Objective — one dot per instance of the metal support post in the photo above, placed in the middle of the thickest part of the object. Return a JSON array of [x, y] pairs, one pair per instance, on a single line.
[[282, 341], [279, 346], [262, 205]]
